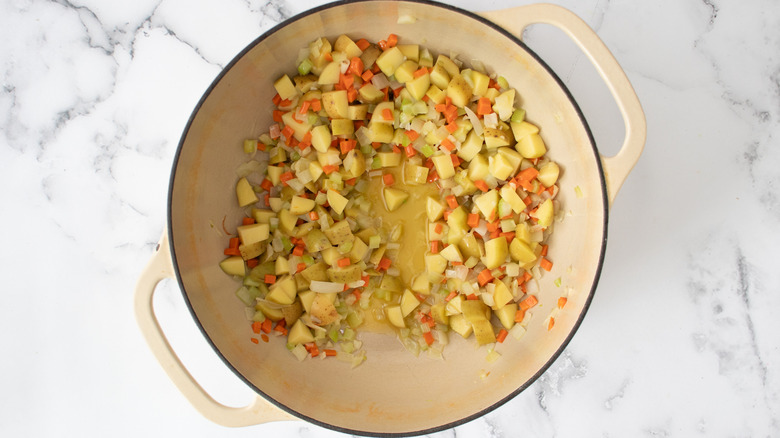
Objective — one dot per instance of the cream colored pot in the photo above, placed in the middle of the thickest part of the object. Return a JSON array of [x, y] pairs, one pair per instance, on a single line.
[[392, 392]]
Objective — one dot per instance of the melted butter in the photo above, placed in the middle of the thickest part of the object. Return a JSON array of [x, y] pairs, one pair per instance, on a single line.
[[411, 215]]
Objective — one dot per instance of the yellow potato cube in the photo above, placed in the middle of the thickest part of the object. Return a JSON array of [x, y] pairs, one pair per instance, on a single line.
[[285, 87], [531, 146], [395, 316], [389, 61], [337, 201], [335, 103], [245, 193], [495, 252], [321, 138], [394, 198], [409, 302], [300, 205], [521, 252], [233, 265], [444, 167]]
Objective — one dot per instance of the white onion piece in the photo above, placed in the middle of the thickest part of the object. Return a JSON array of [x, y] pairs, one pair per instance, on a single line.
[[380, 81], [393, 271], [326, 287], [304, 176], [491, 120], [475, 122], [393, 245], [295, 184], [359, 283]]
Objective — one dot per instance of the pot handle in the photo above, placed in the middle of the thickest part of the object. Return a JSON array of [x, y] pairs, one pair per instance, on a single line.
[[616, 168], [159, 267]]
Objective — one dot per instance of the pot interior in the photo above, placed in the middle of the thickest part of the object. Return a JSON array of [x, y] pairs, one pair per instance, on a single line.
[[392, 392]]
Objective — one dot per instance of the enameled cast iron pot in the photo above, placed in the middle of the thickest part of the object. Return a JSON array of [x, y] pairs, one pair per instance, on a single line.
[[392, 393]]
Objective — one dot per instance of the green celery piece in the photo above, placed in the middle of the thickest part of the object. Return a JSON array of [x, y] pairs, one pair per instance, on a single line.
[[305, 66], [518, 115]]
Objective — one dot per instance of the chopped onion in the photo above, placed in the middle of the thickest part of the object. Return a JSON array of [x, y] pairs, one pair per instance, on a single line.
[[393, 245], [517, 331], [491, 120], [393, 271], [296, 185], [475, 122], [304, 176], [359, 283], [362, 136], [380, 81], [326, 287], [249, 167]]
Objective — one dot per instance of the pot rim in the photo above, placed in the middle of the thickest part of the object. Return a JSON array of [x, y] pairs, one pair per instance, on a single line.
[[496, 404]]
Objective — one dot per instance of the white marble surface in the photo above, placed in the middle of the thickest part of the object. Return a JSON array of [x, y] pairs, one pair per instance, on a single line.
[[682, 336]]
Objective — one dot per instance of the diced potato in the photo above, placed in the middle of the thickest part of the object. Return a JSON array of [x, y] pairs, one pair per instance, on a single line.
[[276, 155], [250, 234], [544, 213], [283, 291], [339, 233], [272, 313], [435, 263], [495, 138], [419, 86], [470, 246], [510, 196], [245, 193], [439, 77], [475, 310], [287, 221], [394, 198], [285, 87], [444, 167], [504, 105], [370, 56], [479, 167], [359, 250], [316, 272], [521, 252], [501, 294], [414, 174], [262, 216], [342, 127], [300, 128], [548, 173], [389, 159], [380, 132], [305, 83], [531, 146], [506, 315], [410, 51], [337, 201], [378, 116], [460, 92], [512, 156], [335, 103], [457, 223], [439, 313], [330, 74], [436, 94], [323, 311], [251, 251], [481, 82], [389, 61], [315, 169], [275, 174], [233, 265], [500, 167], [452, 253], [471, 146], [357, 112], [358, 163], [369, 93], [487, 203], [483, 331], [523, 129], [299, 334], [459, 325], [409, 302], [454, 306], [347, 46], [347, 274], [405, 72], [421, 285], [395, 316], [495, 252], [306, 297], [448, 65], [300, 205]]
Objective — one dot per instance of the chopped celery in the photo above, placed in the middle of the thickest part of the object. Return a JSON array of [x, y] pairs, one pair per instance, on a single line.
[[348, 334], [245, 296], [308, 259], [578, 191], [259, 316], [518, 116], [374, 241], [557, 282], [250, 146], [333, 334], [288, 246], [354, 319], [502, 82], [290, 346], [305, 66], [376, 163], [427, 150]]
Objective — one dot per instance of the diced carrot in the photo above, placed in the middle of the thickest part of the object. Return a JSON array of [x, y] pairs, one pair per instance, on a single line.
[[251, 263], [432, 176], [247, 221], [422, 71], [254, 340], [438, 228], [412, 134], [387, 114], [527, 174], [455, 160], [234, 242], [362, 44], [452, 295], [266, 185], [347, 145], [473, 220], [392, 40], [330, 352], [434, 246], [509, 236], [270, 279], [550, 323], [440, 107], [562, 302], [482, 185], [301, 266], [352, 95], [447, 214], [355, 66], [298, 251], [256, 327], [452, 201], [286, 176], [276, 99], [316, 105], [232, 252], [328, 56], [501, 336], [451, 127], [382, 45], [493, 226], [367, 75], [266, 325], [330, 168], [528, 302], [519, 315], [544, 250], [343, 263], [313, 215], [545, 264], [484, 277], [428, 338], [410, 151], [472, 297], [264, 337], [277, 115], [447, 144], [261, 147], [388, 179], [483, 106], [287, 132], [384, 264], [304, 107]]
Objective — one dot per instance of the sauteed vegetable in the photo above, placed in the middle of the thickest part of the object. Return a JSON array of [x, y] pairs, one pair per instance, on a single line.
[[394, 191]]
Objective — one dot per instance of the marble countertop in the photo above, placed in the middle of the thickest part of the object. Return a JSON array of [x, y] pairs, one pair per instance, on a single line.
[[681, 339]]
